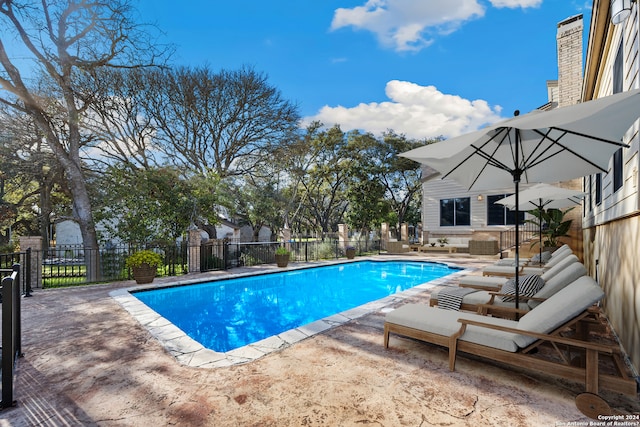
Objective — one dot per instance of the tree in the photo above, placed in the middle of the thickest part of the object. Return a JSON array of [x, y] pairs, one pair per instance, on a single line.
[[365, 191], [400, 176], [226, 122], [67, 38], [33, 188], [156, 204], [323, 185]]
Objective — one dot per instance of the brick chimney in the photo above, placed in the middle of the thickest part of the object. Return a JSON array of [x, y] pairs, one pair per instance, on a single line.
[[569, 45]]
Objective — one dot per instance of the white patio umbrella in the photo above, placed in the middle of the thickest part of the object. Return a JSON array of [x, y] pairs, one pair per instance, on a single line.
[[542, 146], [543, 196]]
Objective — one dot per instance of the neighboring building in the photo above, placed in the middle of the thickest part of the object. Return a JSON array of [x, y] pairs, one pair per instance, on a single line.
[[449, 210], [611, 215]]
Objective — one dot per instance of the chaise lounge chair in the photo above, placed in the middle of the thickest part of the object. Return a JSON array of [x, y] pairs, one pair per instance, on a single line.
[[535, 260], [494, 283], [496, 304], [509, 271], [515, 342]]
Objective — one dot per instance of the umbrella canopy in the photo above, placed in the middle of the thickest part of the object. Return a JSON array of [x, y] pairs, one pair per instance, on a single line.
[[542, 146], [544, 196]]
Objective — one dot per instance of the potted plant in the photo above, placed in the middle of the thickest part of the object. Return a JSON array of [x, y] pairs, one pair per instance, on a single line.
[[144, 265], [443, 241], [552, 227], [282, 256], [350, 251]]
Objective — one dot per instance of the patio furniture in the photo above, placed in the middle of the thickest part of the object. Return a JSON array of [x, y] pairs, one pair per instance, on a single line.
[[398, 247], [493, 283], [492, 302], [483, 247], [509, 271], [429, 248], [515, 343]]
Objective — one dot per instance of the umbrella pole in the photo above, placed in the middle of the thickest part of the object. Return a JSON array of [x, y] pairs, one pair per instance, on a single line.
[[517, 174], [516, 181], [540, 220]]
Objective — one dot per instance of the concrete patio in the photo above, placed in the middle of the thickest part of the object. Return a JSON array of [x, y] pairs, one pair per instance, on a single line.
[[88, 362]]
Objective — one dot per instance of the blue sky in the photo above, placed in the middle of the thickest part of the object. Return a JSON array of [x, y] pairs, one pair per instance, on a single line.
[[420, 67]]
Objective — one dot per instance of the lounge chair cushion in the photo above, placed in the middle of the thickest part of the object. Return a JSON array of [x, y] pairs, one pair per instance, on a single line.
[[445, 322], [564, 263], [559, 281], [566, 304], [544, 257], [472, 280], [527, 286]]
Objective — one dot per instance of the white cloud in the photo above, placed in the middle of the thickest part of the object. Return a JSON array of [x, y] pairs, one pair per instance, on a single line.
[[513, 4], [416, 111], [410, 25]]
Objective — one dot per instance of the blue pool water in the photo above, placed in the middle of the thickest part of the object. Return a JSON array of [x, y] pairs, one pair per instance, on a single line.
[[226, 314]]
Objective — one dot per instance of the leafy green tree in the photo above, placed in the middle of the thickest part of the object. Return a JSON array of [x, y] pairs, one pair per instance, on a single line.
[[323, 185], [156, 204]]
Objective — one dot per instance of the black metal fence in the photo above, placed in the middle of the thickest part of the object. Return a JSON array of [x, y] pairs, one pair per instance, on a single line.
[[217, 254], [68, 265], [526, 232], [11, 331]]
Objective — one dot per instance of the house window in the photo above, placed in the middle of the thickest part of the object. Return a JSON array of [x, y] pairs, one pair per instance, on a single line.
[[498, 214], [598, 189], [455, 212], [589, 191], [617, 170], [618, 79], [618, 75]]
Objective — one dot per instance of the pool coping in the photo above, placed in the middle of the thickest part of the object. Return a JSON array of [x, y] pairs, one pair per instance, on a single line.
[[191, 353]]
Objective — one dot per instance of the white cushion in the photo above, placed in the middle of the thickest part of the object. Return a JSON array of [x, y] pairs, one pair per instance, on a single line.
[[566, 304], [445, 322], [541, 257], [473, 279], [566, 261], [559, 281]]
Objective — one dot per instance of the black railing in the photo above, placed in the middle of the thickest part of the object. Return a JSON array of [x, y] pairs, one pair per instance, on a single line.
[[527, 231], [11, 332], [67, 265], [219, 255]]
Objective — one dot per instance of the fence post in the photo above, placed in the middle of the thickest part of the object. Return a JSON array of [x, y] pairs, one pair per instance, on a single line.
[[31, 259], [195, 242], [18, 308], [27, 278], [9, 338]]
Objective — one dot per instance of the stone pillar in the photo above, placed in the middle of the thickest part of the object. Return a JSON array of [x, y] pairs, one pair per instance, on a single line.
[[343, 235], [35, 244], [285, 236], [404, 232], [195, 243], [384, 235]]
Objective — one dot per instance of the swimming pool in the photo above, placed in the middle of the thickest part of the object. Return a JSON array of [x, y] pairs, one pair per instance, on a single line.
[[226, 314]]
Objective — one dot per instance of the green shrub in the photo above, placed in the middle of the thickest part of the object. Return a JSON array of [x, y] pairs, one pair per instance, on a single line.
[[282, 251], [144, 257]]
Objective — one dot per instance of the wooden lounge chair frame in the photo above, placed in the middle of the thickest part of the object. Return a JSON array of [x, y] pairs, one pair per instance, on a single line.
[[588, 374]]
